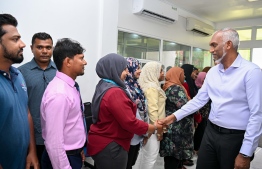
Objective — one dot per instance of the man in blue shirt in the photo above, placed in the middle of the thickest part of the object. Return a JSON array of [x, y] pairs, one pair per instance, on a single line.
[[37, 74], [235, 120], [17, 145]]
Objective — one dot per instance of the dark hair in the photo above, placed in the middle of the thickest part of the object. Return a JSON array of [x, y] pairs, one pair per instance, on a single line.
[[194, 68], [6, 19], [206, 69], [42, 36], [66, 48]]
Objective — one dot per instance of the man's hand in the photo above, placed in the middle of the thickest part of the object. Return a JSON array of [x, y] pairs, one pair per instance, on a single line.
[[242, 162], [168, 120], [31, 160], [159, 137], [83, 156], [145, 139]]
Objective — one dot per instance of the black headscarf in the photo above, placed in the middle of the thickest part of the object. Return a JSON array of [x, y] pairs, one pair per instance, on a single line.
[[188, 69], [108, 67]]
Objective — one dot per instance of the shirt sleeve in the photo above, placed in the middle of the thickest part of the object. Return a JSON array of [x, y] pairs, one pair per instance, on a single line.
[[152, 96], [253, 83], [195, 104], [124, 114], [56, 109]]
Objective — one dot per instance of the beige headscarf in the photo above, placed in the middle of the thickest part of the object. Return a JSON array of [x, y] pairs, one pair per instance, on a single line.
[[149, 77], [175, 76]]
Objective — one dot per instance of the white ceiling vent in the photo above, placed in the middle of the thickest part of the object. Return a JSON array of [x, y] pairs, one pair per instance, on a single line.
[[200, 27], [155, 9]]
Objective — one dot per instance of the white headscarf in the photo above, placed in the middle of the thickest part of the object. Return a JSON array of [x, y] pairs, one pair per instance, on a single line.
[[149, 77]]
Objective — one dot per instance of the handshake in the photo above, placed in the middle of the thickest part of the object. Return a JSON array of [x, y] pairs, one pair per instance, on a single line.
[[161, 126]]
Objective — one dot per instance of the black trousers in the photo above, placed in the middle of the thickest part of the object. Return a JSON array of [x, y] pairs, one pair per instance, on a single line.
[[39, 151], [132, 155], [113, 156], [200, 130], [172, 163], [218, 150]]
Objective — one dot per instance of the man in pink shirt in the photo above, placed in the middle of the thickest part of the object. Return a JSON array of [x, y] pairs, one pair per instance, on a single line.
[[63, 126]]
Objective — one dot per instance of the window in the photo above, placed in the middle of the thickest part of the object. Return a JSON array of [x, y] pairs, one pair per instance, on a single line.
[[245, 53], [175, 54], [245, 34], [201, 58], [259, 34], [137, 46], [257, 58]]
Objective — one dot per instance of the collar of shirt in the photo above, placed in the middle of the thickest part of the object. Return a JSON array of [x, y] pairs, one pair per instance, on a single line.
[[33, 64], [65, 78], [13, 73], [235, 64]]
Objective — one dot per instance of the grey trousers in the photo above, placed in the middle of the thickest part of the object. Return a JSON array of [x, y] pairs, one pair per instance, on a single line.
[[113, 156]]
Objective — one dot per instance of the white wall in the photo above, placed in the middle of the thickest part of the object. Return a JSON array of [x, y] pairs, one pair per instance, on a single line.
[[93, 23]]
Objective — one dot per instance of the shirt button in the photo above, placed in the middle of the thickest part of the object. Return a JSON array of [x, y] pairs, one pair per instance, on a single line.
[[4, 74]]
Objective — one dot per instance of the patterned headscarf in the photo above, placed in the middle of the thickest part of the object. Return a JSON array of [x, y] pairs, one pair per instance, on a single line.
[[134, 87], [149, 77]]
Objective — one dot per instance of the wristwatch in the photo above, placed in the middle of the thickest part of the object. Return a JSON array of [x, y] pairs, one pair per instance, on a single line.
[[245, 156]]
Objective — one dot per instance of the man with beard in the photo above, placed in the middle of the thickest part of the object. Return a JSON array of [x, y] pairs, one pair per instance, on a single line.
[[17, 145], [62, 120], [235, 119], [38, 73]]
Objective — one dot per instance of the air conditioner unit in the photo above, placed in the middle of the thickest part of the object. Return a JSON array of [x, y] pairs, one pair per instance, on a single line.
[[195, 25], [156, 9]]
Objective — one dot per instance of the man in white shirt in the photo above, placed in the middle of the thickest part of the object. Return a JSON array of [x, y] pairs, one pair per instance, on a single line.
[[235, 120]]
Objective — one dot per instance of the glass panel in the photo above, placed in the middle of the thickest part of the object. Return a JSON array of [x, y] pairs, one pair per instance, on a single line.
[[120, 37], [132, 39], [259, 34], [201, 58], [153, 43], [175, 54], [138, 46], [245, 53], [152, 54], [120, 49], [134, 52], [256, 57], [244, 35]]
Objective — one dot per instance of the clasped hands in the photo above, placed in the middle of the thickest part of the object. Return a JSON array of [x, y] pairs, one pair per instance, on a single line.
[[163, 123], [160, 130]]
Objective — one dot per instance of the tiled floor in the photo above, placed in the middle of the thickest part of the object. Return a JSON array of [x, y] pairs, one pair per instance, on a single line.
[[255, 164]]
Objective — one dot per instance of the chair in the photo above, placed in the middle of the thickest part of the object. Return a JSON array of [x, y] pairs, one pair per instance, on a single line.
[[88, 117]]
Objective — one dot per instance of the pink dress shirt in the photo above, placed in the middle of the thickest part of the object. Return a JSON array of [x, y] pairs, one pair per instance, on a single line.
[[62, 120]]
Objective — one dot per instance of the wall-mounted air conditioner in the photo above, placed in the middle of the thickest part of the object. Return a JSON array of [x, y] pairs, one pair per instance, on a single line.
[[156, 9], [195, 25]]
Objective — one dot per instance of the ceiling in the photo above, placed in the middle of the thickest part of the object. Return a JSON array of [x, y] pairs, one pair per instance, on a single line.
[[221, 10]]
